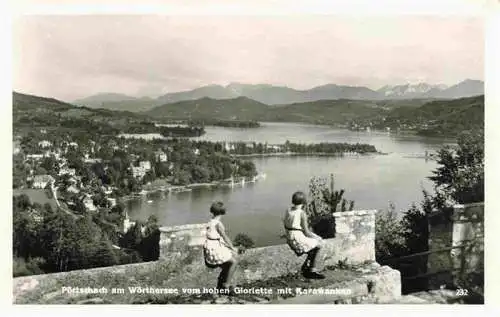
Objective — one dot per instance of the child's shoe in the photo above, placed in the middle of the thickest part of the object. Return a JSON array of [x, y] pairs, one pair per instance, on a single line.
[[314, 275]]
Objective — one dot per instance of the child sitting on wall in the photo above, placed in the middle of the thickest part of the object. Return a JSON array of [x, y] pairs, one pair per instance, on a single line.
[[218, 249], [300, 238]]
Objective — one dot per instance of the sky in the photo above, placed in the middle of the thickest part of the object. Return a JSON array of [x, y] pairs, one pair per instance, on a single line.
[[70, 57]]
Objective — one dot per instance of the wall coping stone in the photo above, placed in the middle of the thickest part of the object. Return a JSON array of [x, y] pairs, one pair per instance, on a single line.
[[462, 206], [183, 227], [354, 213]]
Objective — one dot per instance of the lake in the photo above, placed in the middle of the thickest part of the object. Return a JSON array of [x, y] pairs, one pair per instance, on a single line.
[[256, 208]]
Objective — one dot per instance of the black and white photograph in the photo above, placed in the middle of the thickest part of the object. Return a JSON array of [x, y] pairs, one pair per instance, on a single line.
[[248, 159]]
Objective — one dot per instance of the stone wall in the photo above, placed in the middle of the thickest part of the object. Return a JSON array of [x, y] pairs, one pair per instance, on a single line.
[[178, 239], [354, 241], [468, 232], [181, 261], [462, 227]]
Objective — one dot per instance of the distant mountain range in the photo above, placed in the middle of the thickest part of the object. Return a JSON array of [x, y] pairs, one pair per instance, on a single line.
[[279, 95]]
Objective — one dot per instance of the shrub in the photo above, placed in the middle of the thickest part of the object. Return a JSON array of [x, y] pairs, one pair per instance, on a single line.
[[21, 267], [243, 240], [460, 175], [389, 235], [324, 200]]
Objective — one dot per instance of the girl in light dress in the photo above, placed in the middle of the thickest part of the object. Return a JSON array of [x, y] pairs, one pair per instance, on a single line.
[[218, 249], [300, 238]]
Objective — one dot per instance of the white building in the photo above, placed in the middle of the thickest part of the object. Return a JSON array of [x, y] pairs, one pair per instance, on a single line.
[[92, 160], [52, 153], [107, 190], [41, 181], [138, 171], [72, 189], [16, 147], [88, 202], [146, 165], [228, 146], [44, 144], [161, 156], [66, 170], [34, 156], [112, 201], [127, 223]]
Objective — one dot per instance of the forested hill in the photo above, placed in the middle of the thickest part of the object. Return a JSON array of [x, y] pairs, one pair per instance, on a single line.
[[24, 102], [447, 117], [245, 109], [240, 108], [423, 117]]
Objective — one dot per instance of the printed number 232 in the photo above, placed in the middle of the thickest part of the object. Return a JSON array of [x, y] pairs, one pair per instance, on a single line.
[[462, 292]]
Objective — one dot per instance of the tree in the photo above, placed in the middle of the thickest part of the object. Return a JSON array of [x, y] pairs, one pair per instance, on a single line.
[[149, 247], [100, 200], [25, 234], [460, 175], [50, 165], [55, 242], [40, 171], [181, 177], [132, 238], [149, 177], [200, 174], [19, 171], [247, 169]]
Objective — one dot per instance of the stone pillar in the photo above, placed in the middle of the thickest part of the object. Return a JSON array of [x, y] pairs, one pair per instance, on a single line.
[[354, 239], [181, 240], [440, 236], [468, 231]]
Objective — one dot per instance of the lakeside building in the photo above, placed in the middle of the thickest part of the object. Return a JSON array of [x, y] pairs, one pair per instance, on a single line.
[[229, 146], [141, 170], [127, 224]]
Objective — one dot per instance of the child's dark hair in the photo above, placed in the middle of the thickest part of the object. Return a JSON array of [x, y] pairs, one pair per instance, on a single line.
[[299, 198], [218, 208]]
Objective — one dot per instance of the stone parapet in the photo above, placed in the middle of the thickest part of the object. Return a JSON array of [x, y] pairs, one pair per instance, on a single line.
[[181, 263]]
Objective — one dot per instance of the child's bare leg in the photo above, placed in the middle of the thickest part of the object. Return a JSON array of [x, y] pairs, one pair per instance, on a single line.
[[226, 273], [221, 280], [312, 256], [232, 268]]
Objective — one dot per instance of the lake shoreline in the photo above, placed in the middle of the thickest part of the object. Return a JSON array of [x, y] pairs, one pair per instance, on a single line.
[[286, 154], [174, 189]]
